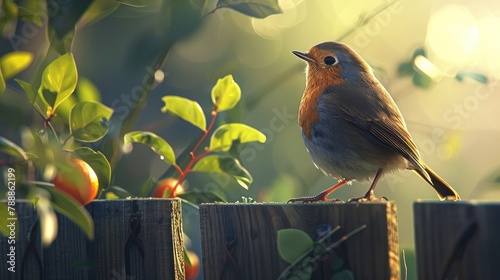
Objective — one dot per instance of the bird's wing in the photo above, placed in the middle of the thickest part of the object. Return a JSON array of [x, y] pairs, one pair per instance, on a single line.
[[377, 116]]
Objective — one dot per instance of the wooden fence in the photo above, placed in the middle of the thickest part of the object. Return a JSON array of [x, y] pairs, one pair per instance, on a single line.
[[142, 239], [134, 239]]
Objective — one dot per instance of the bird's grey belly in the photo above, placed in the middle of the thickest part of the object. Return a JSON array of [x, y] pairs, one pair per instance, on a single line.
[[344, 152]]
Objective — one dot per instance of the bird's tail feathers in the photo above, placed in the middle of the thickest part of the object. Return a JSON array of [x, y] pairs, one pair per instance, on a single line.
[[443, 189]]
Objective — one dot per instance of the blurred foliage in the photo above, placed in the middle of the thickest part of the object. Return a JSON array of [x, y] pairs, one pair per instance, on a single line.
[[258, 9], [11, 64], [131, 53], [305, 253], [425, 74], [72, 120]]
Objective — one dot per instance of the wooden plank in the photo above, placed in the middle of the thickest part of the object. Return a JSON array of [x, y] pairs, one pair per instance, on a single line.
[[154, 252], [239, 240], [457, 240], [29, 267], [134, 239], [66, 257]]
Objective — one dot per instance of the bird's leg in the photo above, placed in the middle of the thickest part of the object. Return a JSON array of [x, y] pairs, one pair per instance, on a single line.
[[370, 196], [322, 195]]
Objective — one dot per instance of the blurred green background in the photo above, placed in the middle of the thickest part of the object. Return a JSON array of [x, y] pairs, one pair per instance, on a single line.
[[455, 123]]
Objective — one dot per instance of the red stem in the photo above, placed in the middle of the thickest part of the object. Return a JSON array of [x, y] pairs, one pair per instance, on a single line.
[[205, 133], [178, 169], [194, 158]]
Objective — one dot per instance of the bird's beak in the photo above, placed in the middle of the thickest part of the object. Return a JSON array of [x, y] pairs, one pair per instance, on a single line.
[[304, 56]]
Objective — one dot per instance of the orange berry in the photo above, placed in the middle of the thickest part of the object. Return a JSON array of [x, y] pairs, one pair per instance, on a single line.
[[167, 183], [78, 180], [194, 269]]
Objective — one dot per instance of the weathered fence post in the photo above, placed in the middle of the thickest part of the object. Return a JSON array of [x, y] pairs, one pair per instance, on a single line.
[[457, 240], [136, 238], [142, 239], [239, 241], [26, 244]]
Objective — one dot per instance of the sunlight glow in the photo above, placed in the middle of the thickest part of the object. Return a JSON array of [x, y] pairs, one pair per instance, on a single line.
[[490, 43], [272, 25], [453, 35]]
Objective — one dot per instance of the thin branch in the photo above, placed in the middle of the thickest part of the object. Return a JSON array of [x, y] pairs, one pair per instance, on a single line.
[[194, 158], [365, 20], [178, 169], [205, 133]]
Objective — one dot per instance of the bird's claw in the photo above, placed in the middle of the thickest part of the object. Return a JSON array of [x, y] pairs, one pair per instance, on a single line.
[[367, 198]]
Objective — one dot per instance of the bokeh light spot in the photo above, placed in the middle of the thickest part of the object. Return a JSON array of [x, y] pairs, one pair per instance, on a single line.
[[272, 25], [159, 76], [452, 34]]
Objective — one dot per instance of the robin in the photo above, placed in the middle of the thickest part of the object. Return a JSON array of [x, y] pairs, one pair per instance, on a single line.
[[351, 126]]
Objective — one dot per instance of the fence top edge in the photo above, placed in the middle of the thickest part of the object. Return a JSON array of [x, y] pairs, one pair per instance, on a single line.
[[447, 203]]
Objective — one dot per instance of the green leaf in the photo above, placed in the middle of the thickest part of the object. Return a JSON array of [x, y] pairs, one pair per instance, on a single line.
[[223, 137], [226, 93], [460, 76], [12, 149], [198, 197], [337, 264], [253, 8], [70, 208], [28, 89], [155, 142], [293, 243], [98, 10], [32, 95], [59, 81], [99, 164], [8, 16], [224, 164], [86, 90], [137, 3], [63, 111], [3, 85], [422, 80], [405, 69], [63, 44], [147, 187], [418, 52], [186, 257], [86, 121], [185, 109], [32, 11], [13, 63]]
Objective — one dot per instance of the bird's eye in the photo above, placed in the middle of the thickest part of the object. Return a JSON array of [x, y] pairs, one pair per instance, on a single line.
[[330, 60]]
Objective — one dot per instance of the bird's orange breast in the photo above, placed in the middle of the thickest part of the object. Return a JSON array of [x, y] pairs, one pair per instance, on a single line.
[[316, 84]]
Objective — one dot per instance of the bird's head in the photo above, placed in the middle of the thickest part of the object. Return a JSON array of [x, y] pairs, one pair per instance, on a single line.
[[333, 63]]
